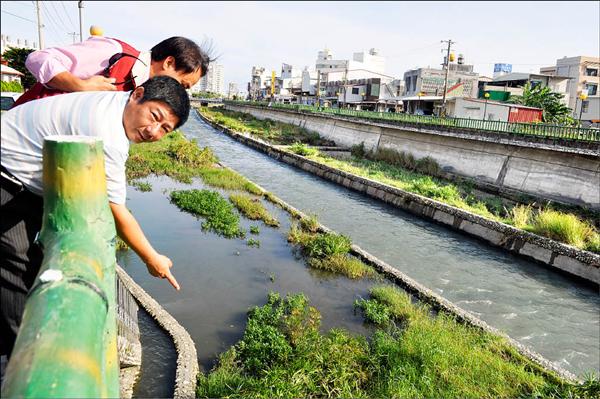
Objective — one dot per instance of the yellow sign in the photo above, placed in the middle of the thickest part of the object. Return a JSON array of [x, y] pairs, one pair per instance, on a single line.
[[272, 82]]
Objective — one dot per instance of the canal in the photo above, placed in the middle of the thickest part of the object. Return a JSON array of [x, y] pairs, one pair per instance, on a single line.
[[221, 278]]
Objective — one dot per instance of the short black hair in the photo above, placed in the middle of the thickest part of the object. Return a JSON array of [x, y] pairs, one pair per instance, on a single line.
[[169, 91], [188, 55]]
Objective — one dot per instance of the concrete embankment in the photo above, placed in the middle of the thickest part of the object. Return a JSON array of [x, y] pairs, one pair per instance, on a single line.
[[561, 257], [187, 360], [566, 174]]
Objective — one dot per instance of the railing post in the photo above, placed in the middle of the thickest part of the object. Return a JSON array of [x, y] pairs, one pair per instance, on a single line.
[[67, 346]]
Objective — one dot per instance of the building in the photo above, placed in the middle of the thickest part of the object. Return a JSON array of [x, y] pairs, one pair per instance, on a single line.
[[8, 74], [424, 87], [474, 108], [257, 83], [212, 82], [501, 87], [7, 42], [232, 90]]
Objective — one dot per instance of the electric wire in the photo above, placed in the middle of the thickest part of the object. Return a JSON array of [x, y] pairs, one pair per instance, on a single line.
[[62, 3], [18, 16], [59, 17], [52, 23]]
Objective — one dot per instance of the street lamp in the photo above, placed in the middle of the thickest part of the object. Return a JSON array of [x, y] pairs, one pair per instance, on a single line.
[[582, 97], [486, 95]]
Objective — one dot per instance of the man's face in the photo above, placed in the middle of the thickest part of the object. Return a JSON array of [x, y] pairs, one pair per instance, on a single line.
[[167, 67], [148, 121]]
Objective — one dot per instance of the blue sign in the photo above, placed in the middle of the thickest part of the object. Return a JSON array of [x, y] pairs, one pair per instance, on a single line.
[[503, 68]]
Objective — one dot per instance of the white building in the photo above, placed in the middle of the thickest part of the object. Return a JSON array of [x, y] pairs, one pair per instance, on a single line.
[[10, 42], [212, 82], [8, 74]]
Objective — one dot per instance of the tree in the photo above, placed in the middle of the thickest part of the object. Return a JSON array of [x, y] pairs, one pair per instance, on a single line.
[[554, 111], [16, 59]]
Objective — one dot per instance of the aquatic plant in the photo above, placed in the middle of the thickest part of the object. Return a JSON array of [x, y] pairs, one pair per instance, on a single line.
[[142, 186], [253, 209], [344, 264], [310, 223], [254, 230], [327, 244], [253, 243], [219, 213]]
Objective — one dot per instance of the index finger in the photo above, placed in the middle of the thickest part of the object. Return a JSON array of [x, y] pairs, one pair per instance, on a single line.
[[172, 280]]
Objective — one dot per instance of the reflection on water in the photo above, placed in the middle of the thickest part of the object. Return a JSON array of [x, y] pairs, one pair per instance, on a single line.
[[547, 311]]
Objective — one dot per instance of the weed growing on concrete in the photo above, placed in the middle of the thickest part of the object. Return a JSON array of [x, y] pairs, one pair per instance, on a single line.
[[141, 185], [254, 230], [219, 213], [228, 180], [302, 149], [310, 223], [253, 209], [520, 216], [283, 354], [566, 228], [344, 264], [253, 243]]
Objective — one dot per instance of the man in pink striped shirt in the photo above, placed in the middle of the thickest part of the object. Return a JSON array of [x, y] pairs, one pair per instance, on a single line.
[[102, 63]]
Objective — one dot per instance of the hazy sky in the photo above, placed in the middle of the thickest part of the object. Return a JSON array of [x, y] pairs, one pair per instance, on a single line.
[[526, 34]]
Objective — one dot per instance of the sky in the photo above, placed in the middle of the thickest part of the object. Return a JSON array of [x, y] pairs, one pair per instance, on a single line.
[[527, 35]]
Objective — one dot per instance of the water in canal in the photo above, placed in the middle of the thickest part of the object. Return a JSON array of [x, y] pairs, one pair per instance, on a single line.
[[221, 278]]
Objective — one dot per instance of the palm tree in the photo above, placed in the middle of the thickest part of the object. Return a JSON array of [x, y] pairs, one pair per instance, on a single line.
[[554, 111]]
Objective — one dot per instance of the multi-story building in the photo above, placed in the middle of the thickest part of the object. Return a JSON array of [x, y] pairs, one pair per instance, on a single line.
[[8, 42], [232, 90], [424, 87], [501, 87], [257, 83], [585, 78], [212, 82]]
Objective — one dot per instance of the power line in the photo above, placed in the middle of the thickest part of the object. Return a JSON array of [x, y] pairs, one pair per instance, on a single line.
[[62, 3], [18, 16], [50, 19], [59, 17]]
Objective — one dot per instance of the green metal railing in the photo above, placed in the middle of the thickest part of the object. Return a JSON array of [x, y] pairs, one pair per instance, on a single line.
[[554, 132], [67, 342]]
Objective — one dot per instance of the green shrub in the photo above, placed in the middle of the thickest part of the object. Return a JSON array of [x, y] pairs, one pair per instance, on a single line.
[[328, 244], [14, 87], [219, 213]]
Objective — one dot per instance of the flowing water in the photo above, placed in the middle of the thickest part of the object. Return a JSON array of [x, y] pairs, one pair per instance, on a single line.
[[220, 278]]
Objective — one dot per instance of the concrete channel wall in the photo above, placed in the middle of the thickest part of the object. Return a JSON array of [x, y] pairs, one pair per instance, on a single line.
[[565, 174], [564, 258]]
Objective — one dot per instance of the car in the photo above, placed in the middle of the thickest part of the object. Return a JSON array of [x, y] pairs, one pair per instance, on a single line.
[[8, 99]]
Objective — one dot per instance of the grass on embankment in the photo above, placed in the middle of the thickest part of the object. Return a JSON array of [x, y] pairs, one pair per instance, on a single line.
[[327, 251], [283, 354], [417, 176], [267, 129]]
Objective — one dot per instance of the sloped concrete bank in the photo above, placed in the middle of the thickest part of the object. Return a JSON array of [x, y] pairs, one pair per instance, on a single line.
[[187, 359], [564, 258], [551, 172], [426, 295]]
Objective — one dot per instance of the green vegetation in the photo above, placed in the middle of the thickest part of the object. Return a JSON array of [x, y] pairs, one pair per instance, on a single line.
[[328, 251], [303, 149], [142, 186], [182, 159], [310, 223], [269, 130], [283, 355], [254, 230], [14, 87], [219, 214], [253, 209], [253, 243], [554, 111], [15, 58], [120, 245], [565, 228]]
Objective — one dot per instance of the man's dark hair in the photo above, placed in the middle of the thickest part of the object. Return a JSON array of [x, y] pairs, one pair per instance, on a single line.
[[188, 55], [169, 91]]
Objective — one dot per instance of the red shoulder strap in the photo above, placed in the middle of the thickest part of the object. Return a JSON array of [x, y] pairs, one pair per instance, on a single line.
[[121, 70], [36, 91]]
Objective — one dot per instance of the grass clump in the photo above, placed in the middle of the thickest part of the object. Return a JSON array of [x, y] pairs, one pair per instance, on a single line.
[[228, 180], [520, 216], [142, 186], [253, 243], [253, 209], [219, 214], [327, 244], [564, 227], [283, 354], [302, 149], [344, 264], [310, 223], [254, 230]]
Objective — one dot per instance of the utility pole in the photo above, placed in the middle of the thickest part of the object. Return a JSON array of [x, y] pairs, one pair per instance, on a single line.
[[39, 24], [318, 87], [447, 63], [80, 5]]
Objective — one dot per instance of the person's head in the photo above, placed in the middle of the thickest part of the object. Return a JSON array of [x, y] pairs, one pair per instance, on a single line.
[[181, 59], [155, 108]]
